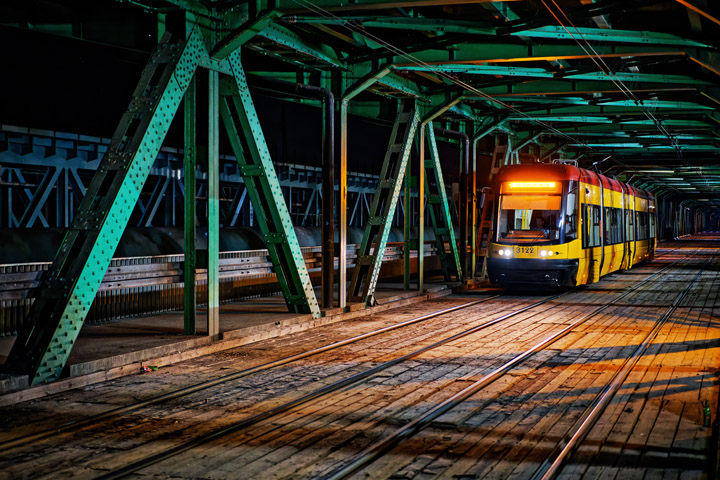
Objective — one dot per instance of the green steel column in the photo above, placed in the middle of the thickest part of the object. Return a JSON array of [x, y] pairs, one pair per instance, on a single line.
[[350, 93], [473, 211], [342, 208], [190, 247], [406, 237], [421, 211], [213, 271]]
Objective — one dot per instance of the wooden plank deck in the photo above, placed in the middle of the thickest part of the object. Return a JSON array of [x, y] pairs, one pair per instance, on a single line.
[[653, 428]]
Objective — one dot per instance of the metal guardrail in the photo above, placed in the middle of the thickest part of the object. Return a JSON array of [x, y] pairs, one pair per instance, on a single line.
[[137, 286]]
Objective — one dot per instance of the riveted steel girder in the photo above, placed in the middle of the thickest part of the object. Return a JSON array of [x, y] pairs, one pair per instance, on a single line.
[[253, 157], [372, 248], [440, 210], [70, 285]]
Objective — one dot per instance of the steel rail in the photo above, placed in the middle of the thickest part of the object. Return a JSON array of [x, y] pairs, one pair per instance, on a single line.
[[377, 449], [549, 469], [18, 441], [203, 439]]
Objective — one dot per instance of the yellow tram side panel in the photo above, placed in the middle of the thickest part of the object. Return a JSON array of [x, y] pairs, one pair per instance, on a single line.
[[629, 244], [613, 253], [588, 258], [615, 258]]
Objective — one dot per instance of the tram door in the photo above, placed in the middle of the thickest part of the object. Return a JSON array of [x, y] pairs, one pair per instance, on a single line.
[[652, 236], [591, 240], [630, 238]]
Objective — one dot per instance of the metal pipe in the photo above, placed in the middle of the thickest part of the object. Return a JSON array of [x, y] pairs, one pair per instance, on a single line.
[[463, 203], [328, 181]]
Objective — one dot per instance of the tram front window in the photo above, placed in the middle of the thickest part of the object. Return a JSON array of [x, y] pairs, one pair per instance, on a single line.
[[529, 219]]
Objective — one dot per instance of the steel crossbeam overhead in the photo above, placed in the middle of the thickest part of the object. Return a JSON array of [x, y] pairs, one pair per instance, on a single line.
[[45, 342], [440, 211], [473, 69], [372, 248], [248, 144]]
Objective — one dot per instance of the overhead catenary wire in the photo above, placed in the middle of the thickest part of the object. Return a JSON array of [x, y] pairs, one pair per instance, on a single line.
[[597, 59], [453, 79], [400, 52]]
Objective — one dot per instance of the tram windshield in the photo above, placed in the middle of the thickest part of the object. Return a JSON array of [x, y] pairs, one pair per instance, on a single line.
[[533, 212]]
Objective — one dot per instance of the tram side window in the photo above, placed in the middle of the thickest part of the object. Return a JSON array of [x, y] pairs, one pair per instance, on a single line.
[[652, 225], [613, 220], [571, 216], [642, 226], [630, 225], [591, 226]]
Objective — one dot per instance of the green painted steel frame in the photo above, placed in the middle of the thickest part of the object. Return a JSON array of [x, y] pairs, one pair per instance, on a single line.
[[372, 248], [253, 157], [440, 216], [190, 260], [70, 285], [73, 279]]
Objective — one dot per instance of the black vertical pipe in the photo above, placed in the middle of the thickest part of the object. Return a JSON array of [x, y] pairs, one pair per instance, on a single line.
[[328, 169], [463, 209]]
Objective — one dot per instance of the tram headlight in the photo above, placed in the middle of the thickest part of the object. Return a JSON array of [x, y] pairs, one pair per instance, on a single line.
[[501, 252], [543, 253]]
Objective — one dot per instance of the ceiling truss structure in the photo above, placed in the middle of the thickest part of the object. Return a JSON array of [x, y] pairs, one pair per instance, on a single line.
[[631, 87]]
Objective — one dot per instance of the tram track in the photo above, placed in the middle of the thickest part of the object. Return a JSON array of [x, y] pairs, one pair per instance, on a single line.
[[202, 440], [305, 399], [316, 394], [549, 469], [185, 391], [381, 447]]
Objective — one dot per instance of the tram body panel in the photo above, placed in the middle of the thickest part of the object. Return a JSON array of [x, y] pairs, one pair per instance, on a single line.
[[559, 225]]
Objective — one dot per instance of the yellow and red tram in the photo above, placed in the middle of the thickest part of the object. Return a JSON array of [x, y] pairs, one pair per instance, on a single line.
[[558, 225]]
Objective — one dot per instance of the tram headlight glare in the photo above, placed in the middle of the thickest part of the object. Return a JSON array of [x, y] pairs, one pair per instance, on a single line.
[[501, 252], [543, 253], [550, 254]]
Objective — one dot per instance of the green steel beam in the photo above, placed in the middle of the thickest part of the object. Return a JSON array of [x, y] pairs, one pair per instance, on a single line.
[[497, 50], [443, 26], [69, 287], [365, 78], [256, 167], [563, 102], [472, 69], [337, 6], [287, 38], [243, 34], [608, 35], [464, 111], [435, 25], [657, 148], [440, 109]]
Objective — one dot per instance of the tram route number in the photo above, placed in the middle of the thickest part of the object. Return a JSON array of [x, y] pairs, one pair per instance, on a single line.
[[525, 249]]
